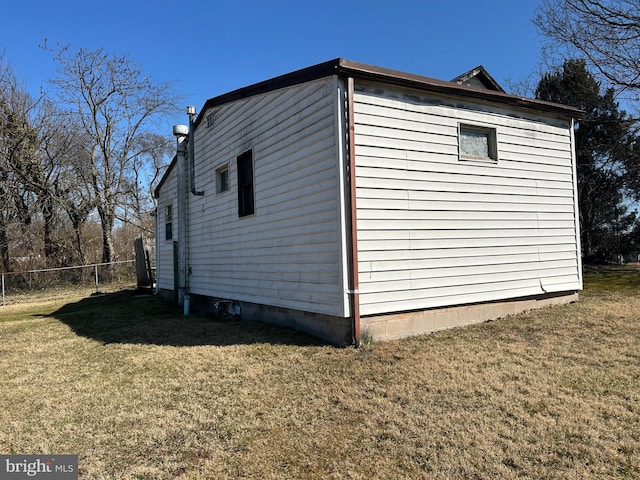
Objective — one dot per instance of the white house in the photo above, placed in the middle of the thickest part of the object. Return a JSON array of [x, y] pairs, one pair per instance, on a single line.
[[346, 198]]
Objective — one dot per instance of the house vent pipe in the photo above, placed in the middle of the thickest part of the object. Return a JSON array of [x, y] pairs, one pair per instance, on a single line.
[[191, 111], [180, 132]]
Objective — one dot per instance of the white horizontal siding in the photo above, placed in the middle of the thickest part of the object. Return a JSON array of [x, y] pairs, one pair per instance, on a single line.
[[510, 205], [289, 253], [440, 273], [164, 248], [436, 231]]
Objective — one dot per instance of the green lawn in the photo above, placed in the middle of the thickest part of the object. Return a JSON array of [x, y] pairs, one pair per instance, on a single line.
[[138, 391]]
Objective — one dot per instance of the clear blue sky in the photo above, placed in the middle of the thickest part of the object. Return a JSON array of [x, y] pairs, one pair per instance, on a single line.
[[209, 47]]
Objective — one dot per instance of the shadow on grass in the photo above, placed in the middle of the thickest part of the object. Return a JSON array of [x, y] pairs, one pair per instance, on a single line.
[[610, 278], [129, 317]]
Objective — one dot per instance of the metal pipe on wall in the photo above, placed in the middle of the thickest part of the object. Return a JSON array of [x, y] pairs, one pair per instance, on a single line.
[[191, 111], [181, 132]]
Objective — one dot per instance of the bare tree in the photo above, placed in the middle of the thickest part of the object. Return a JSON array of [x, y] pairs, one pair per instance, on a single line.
[[17, 144], [604, 32], [39, 170], [155, 154], [62, 172], [524, 86], [160, 150], [114, 104], [6, 77], [41, 164], [73, 193]]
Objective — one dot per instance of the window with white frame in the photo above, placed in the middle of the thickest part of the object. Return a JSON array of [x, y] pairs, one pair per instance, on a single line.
[[477, 143], [222, 179]]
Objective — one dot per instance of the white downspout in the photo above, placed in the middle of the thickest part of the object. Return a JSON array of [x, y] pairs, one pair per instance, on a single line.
[[576, 207]]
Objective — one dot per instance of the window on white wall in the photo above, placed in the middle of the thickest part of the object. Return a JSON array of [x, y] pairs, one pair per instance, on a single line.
[[211, 120], [477, 143], [222, 179], [245, 184], [168, 222]]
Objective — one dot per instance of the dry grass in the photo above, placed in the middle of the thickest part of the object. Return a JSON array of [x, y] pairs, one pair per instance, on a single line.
[[139, 392]]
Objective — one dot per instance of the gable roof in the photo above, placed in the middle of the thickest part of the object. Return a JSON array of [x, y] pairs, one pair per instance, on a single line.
[[479, 77], [361, 71]]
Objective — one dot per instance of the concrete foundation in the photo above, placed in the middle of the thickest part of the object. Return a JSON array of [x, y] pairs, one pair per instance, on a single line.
[[338, 331], [405, 324]]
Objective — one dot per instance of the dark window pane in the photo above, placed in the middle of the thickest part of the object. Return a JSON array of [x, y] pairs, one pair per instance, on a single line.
[[245, 184]]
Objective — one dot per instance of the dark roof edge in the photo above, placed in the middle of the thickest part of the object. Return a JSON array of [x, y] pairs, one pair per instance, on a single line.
[[369, 72], [165, 175], [314, 72], [482, 75], [340, 66]]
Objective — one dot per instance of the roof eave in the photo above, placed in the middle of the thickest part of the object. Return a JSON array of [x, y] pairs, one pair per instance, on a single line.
[[372, 73], [482, 75], [340, 66], [156, 191]]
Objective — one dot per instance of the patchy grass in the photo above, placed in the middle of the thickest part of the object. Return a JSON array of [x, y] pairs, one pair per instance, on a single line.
[[139, 392], [612, 279]]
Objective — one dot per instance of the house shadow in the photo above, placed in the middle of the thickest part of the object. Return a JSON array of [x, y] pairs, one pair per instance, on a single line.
[[140, 318]]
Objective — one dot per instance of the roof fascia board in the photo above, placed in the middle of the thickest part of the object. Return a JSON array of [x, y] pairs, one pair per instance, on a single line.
[[314, 72], [363, 71], [372, 73], [482, 75]]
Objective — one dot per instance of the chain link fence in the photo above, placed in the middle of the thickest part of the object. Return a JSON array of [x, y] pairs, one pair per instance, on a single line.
[[96, 275]]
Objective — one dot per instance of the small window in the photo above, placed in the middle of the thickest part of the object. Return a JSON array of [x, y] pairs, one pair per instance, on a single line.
[[211, 118], [477, 143], [245, 184], [168, 225], [222, 179]]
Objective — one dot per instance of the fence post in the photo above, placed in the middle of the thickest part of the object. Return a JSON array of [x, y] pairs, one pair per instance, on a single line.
[[3, 289], [96, 270]]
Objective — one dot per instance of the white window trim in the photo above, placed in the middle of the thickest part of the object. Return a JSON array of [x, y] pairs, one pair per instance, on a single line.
[[218, 170]]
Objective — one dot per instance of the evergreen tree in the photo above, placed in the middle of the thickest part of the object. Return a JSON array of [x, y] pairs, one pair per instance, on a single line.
[[605, 152]]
